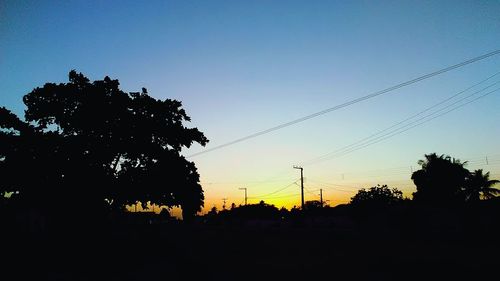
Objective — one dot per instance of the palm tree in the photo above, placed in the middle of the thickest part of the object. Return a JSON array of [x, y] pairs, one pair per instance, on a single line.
[[480, 186]]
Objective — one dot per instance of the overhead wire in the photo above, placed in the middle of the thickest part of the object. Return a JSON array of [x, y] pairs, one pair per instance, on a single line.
[[282, 196], [243, 182], [348, 103], [311, 191], [418, 124], [370, 139], [492, 159], [274, 192], [406, 119], [396, 132]]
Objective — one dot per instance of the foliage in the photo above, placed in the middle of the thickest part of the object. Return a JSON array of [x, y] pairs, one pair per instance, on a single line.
[[260, 211], [445, 180], [441, 180], [377, 196], [85, 143], [312, 205], [479, 186], [256, 211]]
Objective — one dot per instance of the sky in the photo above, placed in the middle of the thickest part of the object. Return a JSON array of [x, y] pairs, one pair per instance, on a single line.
[[240, 67]]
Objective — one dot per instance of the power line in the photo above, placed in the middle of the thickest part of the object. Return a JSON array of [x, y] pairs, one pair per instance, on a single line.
[[282, 196], [353, 147], [338, 189], [371, 140], [327, 183], [492, 158], [495, 158], [418, 124], [360, 99], [311, 191], [357, 186], [401, 122], [274, 192], [242, 182]]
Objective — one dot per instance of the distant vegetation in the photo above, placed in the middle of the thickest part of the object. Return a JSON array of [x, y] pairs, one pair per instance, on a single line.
[[442, 182], [377, 196]]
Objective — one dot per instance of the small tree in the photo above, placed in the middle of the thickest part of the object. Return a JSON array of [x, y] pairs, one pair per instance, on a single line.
[[377, 196], [313, 205], [441, 180], [212, 211]]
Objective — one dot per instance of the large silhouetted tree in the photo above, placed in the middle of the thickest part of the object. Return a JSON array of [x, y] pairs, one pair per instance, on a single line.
[[85, 143], [441, 180], [479, 186]]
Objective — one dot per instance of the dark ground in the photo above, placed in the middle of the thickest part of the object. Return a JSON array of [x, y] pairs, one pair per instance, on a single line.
[[301, 250]]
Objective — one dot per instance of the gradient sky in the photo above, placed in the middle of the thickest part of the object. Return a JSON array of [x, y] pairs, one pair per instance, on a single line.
[[244, 66]]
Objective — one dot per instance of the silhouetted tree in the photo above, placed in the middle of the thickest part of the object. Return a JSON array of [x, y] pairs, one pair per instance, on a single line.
[[295, 211], [479, 186], [314, 208], [377, 196], [312, 205], [213, 211], [86, 143], [441, 180], [255, 211], [284, 213]]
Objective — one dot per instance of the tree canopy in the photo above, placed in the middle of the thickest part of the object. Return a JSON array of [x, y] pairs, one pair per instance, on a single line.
[[377, 196], [85, 143], [445, 180], [441, 180], [479, 186]]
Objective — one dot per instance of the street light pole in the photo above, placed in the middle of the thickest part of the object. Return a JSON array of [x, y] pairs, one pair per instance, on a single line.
[[301, 184], [244, 188]]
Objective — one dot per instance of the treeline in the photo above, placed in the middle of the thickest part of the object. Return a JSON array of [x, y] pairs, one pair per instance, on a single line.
[[443, 186]]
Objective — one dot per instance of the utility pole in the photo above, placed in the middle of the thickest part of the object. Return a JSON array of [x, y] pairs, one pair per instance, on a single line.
[[321, 196], [244, 188], [224, 205], [301, 184]]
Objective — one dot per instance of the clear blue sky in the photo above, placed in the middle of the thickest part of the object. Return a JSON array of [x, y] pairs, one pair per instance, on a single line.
[[244, 66]]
